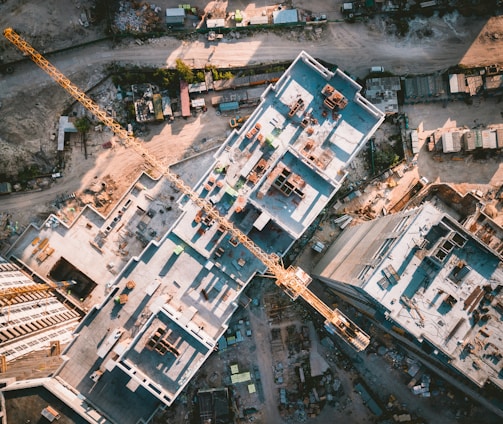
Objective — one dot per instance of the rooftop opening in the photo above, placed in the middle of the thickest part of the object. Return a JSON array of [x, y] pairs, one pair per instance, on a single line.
[[459, 272], [65, 271]]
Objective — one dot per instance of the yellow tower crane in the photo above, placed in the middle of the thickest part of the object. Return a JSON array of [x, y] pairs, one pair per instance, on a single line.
[[10, 293], [292, 279]]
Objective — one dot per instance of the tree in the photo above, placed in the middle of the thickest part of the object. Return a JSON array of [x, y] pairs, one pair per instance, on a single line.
[[82, 124], [226, 75], [386, 158], [184, 71], [402, 27]]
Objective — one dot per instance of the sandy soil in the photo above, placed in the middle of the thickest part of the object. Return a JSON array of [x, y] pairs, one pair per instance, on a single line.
[[487, 48], [50, 24]]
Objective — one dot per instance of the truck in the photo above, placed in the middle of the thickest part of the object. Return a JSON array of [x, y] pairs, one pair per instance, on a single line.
[[96, 375], [83, 20], [121, 299], [351, 11], [376, 69], [109, 342], [5, 188], [318, 246]]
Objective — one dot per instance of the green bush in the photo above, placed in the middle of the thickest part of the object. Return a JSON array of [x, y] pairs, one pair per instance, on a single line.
[[184, 71], [82, 124]]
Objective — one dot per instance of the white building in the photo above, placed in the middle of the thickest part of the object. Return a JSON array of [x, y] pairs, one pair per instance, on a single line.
[[430, 278], [31, 319]]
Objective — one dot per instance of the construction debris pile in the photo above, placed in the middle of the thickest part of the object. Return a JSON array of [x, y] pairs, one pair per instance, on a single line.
[[137, 17], [101, 194], [308, 398], [305, 382], [8, 228]]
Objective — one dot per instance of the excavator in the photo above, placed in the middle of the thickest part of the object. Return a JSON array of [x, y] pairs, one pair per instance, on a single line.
[[238, 121]]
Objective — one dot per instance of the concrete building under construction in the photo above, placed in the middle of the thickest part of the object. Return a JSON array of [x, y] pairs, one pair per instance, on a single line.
[[32, 318], [270, 179], [423, 273]]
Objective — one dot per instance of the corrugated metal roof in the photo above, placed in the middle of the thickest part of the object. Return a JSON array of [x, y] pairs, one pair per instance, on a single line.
[[157, 100], [64, 126], [425, 86], [457, 83], [499, 137], [184, 98], [226, 107], [447, 145], [197, 103], [175, 11], [197, 87], [451, 142], [493, 144], [469, 140], [488, 139]]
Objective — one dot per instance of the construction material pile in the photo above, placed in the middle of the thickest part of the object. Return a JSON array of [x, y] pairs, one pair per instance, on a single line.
[[137, 17]]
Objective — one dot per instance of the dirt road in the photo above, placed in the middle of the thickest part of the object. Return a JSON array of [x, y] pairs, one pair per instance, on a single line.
[[353, 47], [258, 322]]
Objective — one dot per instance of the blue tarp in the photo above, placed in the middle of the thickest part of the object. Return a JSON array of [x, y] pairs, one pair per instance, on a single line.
[[285, 16]]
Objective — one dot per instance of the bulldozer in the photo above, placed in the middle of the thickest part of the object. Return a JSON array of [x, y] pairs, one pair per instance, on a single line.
[[238, 121]]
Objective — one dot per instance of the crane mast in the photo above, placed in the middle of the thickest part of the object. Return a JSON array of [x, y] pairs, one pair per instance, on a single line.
[[292, 279]]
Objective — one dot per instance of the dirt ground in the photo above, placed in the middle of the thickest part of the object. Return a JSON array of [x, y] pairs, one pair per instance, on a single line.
[[118, 166], [489, 41], [31, 105], [51, 24]]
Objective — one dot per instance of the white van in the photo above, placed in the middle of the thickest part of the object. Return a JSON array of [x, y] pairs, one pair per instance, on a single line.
[[376, 69]]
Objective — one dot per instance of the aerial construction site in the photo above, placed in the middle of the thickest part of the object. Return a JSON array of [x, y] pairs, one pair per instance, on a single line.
[[228, 218], [273, 273]]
